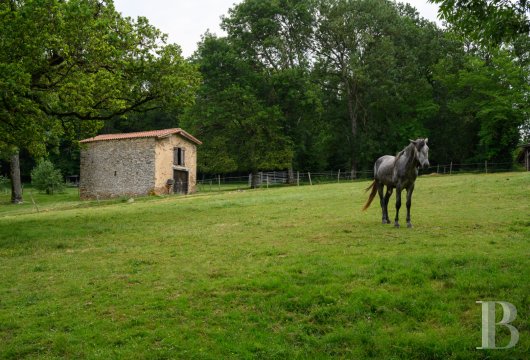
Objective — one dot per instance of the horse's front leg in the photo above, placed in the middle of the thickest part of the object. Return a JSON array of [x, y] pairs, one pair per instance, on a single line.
[[409, 203], [398, 205]]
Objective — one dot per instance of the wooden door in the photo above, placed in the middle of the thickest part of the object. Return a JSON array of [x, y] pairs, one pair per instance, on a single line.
[[181, 182]]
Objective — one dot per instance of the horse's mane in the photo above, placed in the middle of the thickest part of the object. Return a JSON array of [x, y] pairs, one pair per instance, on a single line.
[[407, 148]]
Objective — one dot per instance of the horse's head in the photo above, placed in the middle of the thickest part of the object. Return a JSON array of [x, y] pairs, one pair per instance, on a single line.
[[421, 151]]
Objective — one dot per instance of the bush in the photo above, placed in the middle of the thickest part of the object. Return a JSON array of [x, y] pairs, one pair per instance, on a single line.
[[4, 183], [45, 177]]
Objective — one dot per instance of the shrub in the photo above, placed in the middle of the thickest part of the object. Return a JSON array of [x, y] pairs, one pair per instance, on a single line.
[[4, 183], [45, 177]]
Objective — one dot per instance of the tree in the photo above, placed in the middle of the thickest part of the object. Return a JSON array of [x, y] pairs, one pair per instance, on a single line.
[[375, 59], [276, 36], [240, 132], [489, 91], [45, 177], [241, 135], [490, 99], [65, 66], [489, 22]]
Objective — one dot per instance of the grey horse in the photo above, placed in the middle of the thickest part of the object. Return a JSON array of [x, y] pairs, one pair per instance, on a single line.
[[399, 172]]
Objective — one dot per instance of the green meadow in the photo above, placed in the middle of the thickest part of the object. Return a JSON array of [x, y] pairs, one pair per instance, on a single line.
[[280, 273]]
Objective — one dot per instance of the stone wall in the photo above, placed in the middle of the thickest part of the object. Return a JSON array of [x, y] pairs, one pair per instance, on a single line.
[[164, 162], [117, 168]]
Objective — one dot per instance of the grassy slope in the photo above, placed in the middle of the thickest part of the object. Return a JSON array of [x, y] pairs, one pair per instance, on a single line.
[[279, 273]]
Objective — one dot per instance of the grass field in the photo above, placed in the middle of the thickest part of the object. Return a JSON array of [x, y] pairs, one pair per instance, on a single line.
[[296, 272]]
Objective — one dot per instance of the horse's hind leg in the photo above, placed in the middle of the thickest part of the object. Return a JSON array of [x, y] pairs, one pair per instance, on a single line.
[[389, 190], [398, 205], [380, 188], [409, 203]]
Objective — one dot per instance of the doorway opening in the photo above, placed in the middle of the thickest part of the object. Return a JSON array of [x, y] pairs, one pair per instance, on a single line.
[[180, 186]]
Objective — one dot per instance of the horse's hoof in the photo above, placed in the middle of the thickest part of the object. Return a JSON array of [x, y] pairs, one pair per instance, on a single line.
[[396, 224], [409, 225]]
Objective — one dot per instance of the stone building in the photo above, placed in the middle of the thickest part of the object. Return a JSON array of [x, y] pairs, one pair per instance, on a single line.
[[140, 163]]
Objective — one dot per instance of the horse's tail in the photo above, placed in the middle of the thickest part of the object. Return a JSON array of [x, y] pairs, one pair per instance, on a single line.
[[373, 186]]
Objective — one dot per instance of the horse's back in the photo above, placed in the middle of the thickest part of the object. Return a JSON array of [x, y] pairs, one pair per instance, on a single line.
[[383, 169]]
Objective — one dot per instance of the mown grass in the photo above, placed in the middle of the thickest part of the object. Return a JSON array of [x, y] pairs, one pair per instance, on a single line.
[[278, 273], [36, 201]]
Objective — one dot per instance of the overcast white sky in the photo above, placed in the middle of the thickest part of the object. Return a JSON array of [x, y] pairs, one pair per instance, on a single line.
[[186, 20]]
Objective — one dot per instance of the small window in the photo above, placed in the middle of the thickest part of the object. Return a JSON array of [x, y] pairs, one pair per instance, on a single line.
[[179, 156]]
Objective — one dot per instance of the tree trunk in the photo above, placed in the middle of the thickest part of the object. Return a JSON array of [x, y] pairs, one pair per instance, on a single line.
[[16, 183], [353, 122], [254, 184], [290, 176]]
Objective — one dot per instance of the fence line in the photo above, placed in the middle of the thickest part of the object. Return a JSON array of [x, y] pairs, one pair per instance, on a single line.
[[300, 178]]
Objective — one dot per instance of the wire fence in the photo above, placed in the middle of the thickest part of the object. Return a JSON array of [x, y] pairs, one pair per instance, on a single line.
[[302, 178]]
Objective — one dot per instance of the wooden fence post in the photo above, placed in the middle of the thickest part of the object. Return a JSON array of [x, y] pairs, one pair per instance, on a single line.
[[451, 168], [33, 201], [338, 176], [298, 178], [486, 166], [309, 175]]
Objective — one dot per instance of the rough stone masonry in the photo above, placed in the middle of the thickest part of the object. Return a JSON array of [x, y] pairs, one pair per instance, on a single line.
[[135, 164]]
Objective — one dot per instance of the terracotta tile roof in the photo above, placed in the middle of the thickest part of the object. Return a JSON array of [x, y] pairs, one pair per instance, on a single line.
[[144, 134]]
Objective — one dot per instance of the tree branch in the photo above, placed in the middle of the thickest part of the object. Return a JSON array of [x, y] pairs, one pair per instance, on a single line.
[[92, 116]]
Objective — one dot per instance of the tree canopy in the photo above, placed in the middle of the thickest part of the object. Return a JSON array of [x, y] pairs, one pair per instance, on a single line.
[[488, 21], [240, 132]]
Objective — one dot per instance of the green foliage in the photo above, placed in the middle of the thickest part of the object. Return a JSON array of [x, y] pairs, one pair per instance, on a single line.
[[290, 273], [239, 131], [489, 97], [4, 183], [374, 59], [336, 71], [489, 22], [46, 178], [275, 37], [355, 79], [275, 34], [66, 66]]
